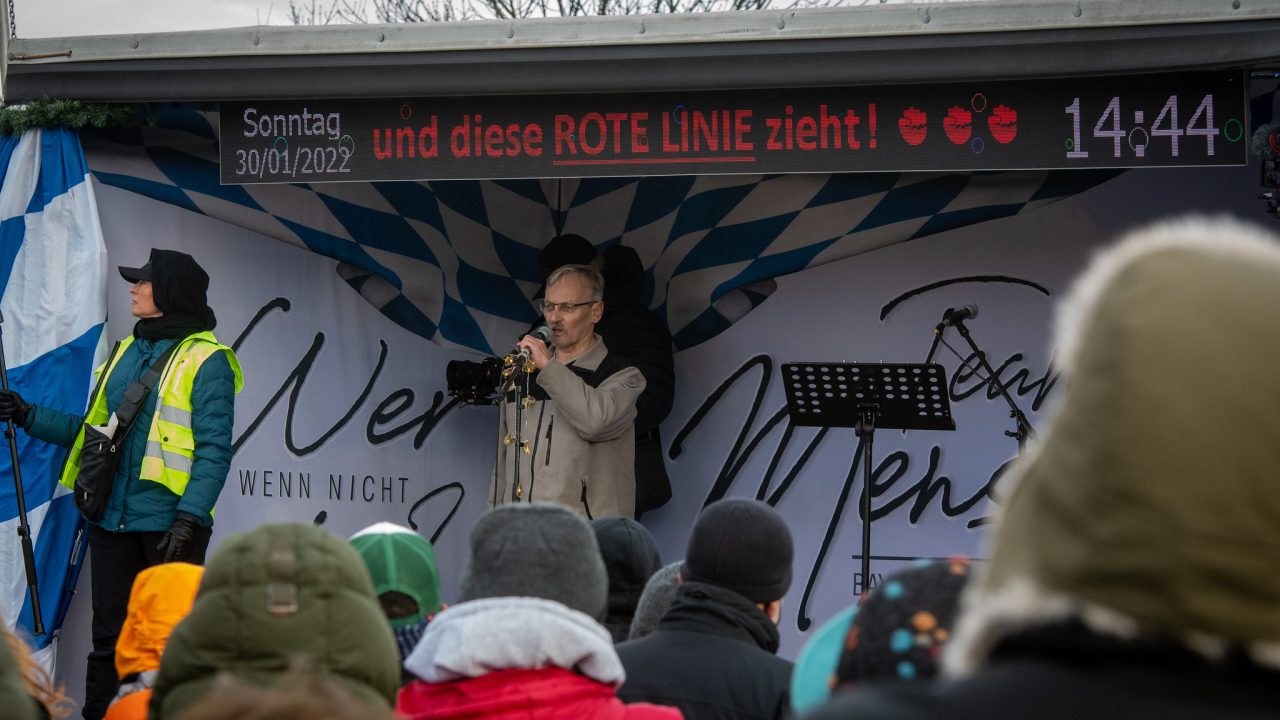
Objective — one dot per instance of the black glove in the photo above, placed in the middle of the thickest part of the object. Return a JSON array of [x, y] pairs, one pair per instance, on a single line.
[[13, 407], [177, 541]]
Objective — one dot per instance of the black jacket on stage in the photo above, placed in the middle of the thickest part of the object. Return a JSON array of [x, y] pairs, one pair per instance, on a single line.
[[633, 331], [712, 656], [1069, 673]]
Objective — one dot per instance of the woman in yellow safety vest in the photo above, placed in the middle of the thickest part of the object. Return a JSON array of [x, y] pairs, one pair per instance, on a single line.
[[175, 458]]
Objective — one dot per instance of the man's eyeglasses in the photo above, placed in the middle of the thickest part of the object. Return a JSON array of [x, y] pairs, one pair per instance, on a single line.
[[565, 308]]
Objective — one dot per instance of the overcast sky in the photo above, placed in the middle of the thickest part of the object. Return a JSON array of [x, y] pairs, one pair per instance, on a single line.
[[65, 18], [61, 18]]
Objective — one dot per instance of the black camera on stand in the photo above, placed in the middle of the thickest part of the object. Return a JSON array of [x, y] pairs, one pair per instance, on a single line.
[[475, 382]]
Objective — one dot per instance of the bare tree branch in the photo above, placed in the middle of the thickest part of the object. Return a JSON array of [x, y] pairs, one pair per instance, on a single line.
[[323, 12]]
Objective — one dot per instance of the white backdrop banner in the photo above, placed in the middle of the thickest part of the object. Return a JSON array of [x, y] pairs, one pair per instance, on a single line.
[[344, 420]]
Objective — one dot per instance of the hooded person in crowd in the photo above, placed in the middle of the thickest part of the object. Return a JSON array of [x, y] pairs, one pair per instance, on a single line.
[[174, 461], [162, 596], [271, 598], [630, 329], [1133, 567], [655, 600], [902, 627], [897, 634], [524, 640], [402, 565], [713, 654], [300, 694], [630, 558]]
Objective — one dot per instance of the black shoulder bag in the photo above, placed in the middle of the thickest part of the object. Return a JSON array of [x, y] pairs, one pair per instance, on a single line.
[[100, 454]]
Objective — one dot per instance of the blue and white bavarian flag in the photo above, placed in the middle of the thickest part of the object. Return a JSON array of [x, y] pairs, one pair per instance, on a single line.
[[53, 266]]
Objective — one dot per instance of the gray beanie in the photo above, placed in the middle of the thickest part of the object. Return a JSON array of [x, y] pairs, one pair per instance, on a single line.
[[743, 545], [536, 550], [656, 599]]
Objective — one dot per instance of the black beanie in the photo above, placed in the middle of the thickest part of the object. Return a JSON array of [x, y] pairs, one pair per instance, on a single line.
[[630, 557], [742, 545], [536, 550], [565, 250]]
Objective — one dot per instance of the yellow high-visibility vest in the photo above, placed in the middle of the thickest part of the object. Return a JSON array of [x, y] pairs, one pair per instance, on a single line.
[[170, 442]]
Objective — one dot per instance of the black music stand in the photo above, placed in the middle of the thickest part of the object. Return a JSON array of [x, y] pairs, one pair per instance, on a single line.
[[867, 396]]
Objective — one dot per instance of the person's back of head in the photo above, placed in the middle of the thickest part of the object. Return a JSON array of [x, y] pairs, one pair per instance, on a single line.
[[162, 595], [270, 597], [524, 639], [535, 550], [902, 626], [714, 652], [402, 565], [567, 249], [630, 557], [655, 601], [299, 694], [741, 545], [623, 275], [897, 633], [1149, 503]]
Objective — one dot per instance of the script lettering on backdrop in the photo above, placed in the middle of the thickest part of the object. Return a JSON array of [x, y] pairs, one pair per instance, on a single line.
[[342, 486], [887, 481]]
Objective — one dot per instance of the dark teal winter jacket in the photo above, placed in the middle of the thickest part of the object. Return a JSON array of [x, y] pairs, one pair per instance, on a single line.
[[137, 505]]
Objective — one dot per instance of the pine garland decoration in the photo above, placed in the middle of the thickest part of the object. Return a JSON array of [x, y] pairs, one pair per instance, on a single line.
[[49, 112]]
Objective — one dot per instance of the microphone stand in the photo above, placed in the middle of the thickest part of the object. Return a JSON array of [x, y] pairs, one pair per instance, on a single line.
[[937, 338], [514, 366], [24, 530], [1024, 429]]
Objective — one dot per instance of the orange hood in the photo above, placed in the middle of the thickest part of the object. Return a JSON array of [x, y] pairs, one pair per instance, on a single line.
[[162, 595]]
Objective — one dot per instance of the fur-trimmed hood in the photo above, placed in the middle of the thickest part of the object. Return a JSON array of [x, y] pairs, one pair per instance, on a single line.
[[1150, 507], [477, 637]]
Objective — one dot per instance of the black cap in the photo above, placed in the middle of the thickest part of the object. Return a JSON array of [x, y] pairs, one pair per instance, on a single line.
[[137, 274], [743, 545]]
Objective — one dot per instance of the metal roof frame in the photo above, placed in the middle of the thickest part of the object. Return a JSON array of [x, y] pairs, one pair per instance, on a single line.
[[899, 43]]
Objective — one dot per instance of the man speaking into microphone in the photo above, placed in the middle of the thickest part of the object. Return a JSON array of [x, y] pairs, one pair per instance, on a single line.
[[572, 440]]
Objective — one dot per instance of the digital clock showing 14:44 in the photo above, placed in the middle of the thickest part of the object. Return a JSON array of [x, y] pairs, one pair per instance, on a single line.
[[1159, 134]]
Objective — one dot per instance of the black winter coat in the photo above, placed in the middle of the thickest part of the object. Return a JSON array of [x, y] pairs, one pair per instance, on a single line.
[[633, 331], [1070, 674], [712, 656]]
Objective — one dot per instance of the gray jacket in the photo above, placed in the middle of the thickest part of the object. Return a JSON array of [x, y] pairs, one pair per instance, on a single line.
[[581, 440]]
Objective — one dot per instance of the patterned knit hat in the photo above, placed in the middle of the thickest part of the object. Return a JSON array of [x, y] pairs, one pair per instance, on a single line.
[[902, 625]]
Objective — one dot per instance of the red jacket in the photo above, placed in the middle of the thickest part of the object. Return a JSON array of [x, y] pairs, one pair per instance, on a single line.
[[546, 694]]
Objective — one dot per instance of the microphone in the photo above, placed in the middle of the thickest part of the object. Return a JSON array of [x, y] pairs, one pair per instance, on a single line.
[[543, 333], [960, 314]]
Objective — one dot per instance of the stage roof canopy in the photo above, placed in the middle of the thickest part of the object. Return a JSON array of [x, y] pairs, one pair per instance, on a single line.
[[879, 44]]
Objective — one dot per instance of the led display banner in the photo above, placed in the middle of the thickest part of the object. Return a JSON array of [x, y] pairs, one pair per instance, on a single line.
[[1107, 122]]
